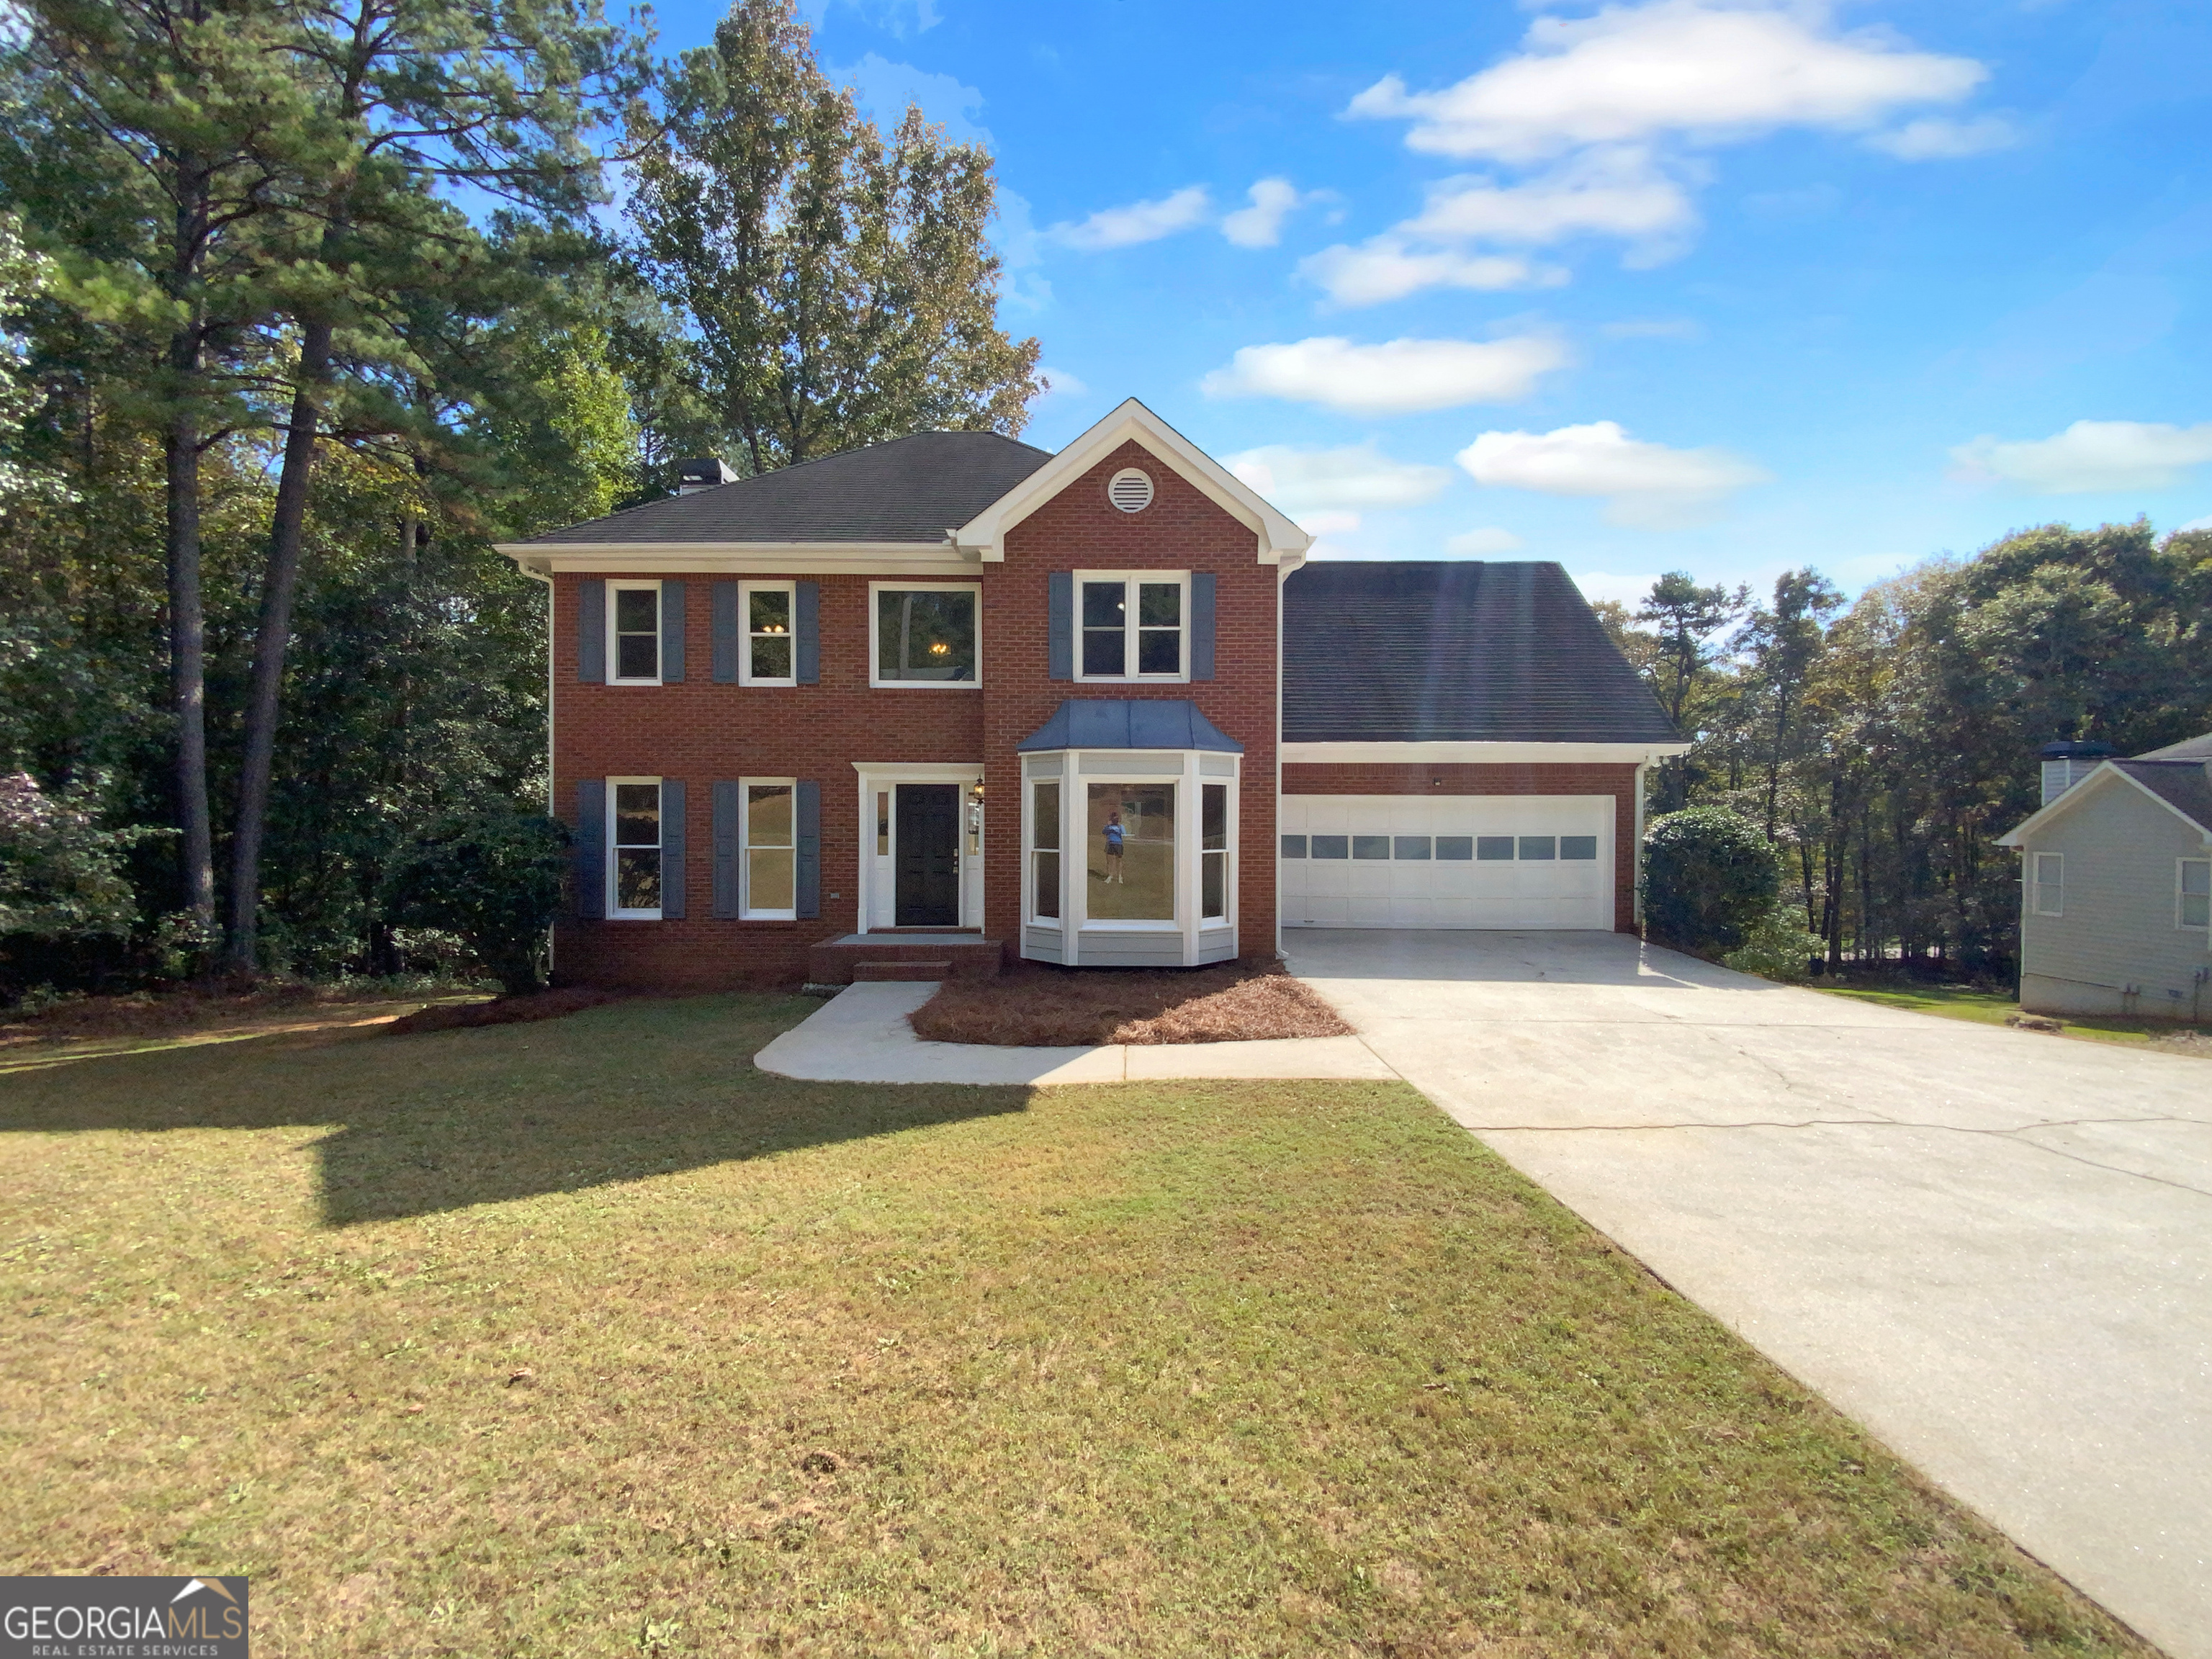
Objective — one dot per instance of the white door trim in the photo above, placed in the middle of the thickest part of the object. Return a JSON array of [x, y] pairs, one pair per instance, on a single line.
[[873, 872]]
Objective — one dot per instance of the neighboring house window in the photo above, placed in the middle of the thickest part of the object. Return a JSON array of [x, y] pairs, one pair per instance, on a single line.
[[1132, 627], [2047, 882], [767, 609], [633, 633], [1044, 850], [768, 844], [923, 635], [2193, 898], [634, 848], [1214, 852]]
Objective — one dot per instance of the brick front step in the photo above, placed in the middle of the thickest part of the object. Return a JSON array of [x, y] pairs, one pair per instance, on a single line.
[[953, 955], [865, 973]]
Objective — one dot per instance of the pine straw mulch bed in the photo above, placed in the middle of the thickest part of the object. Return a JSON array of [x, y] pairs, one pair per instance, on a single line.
[[1036, 1004], [501, 1011], [187, 1010]]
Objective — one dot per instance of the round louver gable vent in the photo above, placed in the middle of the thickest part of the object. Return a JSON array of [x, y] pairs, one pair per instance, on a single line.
[[1130, 489]]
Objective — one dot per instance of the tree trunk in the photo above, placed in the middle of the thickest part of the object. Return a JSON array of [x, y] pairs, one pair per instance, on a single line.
[[280, 581], [188, 649]]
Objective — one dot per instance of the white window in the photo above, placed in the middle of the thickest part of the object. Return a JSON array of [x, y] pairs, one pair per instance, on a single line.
[[2192, 899], [633, 633], [768, 609], [1132, 625], [1044, 851], [769, 848], [1214, 852], [2047, 883], [634, 848], [924, 636]]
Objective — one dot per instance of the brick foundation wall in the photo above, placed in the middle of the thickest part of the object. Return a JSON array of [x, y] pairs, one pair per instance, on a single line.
[[1182, 529], [1306, 778]]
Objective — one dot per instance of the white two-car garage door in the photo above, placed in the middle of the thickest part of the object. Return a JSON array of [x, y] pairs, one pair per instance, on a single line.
[[1515, 862]]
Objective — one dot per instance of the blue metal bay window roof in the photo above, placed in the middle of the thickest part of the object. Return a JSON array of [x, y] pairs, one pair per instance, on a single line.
[[1129, 723]]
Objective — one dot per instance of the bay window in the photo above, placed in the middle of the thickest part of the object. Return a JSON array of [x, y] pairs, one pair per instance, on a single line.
[[1214, 852], [1044, 850], [1130, 859]]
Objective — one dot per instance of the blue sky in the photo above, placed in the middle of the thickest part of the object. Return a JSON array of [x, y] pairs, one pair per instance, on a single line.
[[1727, 287]]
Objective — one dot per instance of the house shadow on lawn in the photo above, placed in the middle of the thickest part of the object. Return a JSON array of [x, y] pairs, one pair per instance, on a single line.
[[421, 1125]]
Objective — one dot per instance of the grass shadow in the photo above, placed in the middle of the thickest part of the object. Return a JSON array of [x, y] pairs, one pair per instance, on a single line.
[[425, 1124]]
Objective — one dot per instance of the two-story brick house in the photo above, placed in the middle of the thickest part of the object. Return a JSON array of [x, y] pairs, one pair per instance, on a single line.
[[953, 697]]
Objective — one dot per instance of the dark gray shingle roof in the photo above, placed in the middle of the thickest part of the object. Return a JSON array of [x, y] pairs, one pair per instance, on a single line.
[[1465, 652], [909, 489], [2182, 784], [2195, 749]]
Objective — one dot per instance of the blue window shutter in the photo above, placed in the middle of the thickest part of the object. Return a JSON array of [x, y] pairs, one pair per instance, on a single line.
[[806, 804], [726, 851], [671, 849], [591, 631], [724, 604], [806, 628], [590, 847], [1201, 625], [672, 633], [1059, 623]]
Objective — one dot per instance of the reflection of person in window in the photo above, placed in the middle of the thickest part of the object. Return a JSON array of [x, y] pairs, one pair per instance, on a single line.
[[1113, 848]]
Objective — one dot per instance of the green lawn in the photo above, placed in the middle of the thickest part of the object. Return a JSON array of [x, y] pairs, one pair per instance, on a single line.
[[1987, 1007], [586, 1338]]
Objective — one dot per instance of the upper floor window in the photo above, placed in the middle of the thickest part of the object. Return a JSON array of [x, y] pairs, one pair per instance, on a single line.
[[634, 632], [923, 635], [2047, 883], [767, 607], [1132, 626], [2193, 897]]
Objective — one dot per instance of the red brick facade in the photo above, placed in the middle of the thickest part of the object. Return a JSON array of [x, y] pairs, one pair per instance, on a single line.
[[701, 732], [1303, 778]]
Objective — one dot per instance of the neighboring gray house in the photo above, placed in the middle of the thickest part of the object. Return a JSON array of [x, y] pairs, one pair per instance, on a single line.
[[2116, 883]]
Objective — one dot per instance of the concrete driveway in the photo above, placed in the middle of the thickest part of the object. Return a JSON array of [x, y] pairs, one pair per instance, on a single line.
[[1992, 1248]]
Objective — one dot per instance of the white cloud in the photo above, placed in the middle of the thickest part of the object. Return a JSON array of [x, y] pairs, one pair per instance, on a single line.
[[1691, 68], [1474, 543], [1323, 523], [1320, 480], [1261, 225], [1398, 377], [1933, 138], [2196, 524], [1059, 384], [892, 15], [1645, 486], [1139, 222], [1654, 328], [1384, 268], [2091, 455], [1611, 191], [1622, 589], [883, 89]]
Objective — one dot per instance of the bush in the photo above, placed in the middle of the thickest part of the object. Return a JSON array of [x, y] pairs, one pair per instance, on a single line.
[[494, 879], [1778, 946], [1709, 878], [61, 874]]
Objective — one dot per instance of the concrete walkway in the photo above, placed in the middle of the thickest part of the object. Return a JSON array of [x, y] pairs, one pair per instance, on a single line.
[[862, 1036], [1992, 1248]]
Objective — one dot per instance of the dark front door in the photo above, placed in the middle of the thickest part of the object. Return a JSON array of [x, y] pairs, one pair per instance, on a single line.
[[928, 855]]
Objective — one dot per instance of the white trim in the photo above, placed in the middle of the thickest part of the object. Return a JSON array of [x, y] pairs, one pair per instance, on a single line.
[[975, 589], [985, 533], [2037, 885], [745, 558], [745, 910], [1227, 852], [614, 589], [2180, 870], [745, 634], [873, 776], [1478, 754], [1131, 644], [1060, 782], [2016, 835], [614, 911]]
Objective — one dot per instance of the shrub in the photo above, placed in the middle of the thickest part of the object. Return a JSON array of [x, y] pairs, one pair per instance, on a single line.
[[1778, 945], [494, 879], [61, 874], [1709, 877]]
